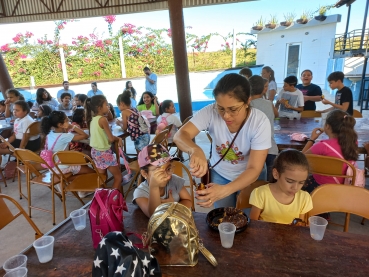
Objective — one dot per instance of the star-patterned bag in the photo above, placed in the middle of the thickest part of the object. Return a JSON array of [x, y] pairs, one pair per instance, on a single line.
[[116, 256], [172, 236]]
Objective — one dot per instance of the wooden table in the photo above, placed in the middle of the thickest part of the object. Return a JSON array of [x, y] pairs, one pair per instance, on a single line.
[[306, 126], [264, 249]]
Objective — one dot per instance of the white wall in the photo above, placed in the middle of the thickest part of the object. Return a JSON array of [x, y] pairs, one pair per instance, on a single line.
[[315, 47]]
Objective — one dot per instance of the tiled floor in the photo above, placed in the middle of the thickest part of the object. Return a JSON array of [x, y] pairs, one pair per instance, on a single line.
[[19, 235]]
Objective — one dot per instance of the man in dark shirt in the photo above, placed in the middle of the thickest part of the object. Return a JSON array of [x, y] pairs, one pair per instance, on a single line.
[[343, 99], [312, 93]]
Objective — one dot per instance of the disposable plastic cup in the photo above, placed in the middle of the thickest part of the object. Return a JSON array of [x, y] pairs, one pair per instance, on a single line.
[[15, 262], [227, 231], [79, 219], [44, 248], [8, 119], [317, 227], [19, 272]]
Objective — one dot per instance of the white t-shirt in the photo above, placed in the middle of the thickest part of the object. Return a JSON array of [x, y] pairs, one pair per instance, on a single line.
[[61, 144], [272, 85], [255, 135], [21, 125], [53, 104], [171, 119], [295, 99]]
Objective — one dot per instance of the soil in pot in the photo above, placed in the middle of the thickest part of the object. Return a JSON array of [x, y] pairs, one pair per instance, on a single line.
[[302, 21], [270, 26], [257, 28], [285, 23], [320, 17]]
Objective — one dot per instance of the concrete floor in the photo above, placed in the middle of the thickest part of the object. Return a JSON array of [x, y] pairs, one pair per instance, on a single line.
[[18, 235]]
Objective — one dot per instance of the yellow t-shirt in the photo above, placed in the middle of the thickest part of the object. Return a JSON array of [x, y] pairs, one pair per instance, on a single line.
[[273, 211]]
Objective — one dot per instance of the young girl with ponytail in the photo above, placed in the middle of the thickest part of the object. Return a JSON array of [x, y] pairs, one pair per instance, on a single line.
[[268, 73], [339, 128]]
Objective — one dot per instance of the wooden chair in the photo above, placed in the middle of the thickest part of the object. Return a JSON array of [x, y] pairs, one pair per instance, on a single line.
[[332, 167], [36, 174], [339, 198], [6, 133], [244, 195], [180, 169], [135, 169], [186, 120], [357, 114], [310, 114], [7, 216], [161, 138], [77, 183]]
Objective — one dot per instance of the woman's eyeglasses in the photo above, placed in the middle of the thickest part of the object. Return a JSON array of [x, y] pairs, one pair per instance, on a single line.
[[231, 111]]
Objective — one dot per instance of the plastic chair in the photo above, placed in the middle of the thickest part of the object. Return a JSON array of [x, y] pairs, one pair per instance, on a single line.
[[310, 114], [357, 114], [34, 175], [339, 198], [77, 183], [180, 169], [7, 216], [161, 138], [244, 195]]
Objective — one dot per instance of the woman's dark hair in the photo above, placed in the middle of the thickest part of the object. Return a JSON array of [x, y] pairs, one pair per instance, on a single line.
[[134, 93], [257, 84], [342, 125], [16, 93], [164, 106], [82, 98], [289, 158], [92, 105], [47, 122], [270, 71], [78, 116], [46, 110], [112, 110], [23, 104], [307, 70], [235, 85], [2, 103], [148, 93], [125, 98], [40, 93]]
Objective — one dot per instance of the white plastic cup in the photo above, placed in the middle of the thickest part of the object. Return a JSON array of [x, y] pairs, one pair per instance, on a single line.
[[15, 262], [8, 119], [317, 227], [19, 272], [227, 231], [79, 219], [44, 248]]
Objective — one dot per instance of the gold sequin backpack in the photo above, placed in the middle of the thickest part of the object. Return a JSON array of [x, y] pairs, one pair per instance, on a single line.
[[172, 237]]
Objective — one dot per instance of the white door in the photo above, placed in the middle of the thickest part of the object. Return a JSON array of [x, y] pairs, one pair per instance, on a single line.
[[293, 53]]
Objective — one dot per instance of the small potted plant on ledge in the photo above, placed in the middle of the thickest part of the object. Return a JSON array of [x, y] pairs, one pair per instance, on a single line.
[[322, 11], [272, 23], [304, 18], [288, 19], [258, 26]]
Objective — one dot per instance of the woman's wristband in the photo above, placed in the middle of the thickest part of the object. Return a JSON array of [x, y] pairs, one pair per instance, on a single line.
[[313, 141]]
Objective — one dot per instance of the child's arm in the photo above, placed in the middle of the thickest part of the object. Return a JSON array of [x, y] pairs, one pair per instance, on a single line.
[[255, 213], [156, 106], [143, 203], [24, 141], [125, 116], [80, 133], [326, 110], [185, 198], [298, 109], [272, 94], [103, 123], [3, 145], [342, 107], [109, 116], [314, 135], [7, 108]]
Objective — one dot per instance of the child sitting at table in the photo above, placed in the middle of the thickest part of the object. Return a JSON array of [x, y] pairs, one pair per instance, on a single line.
[[12, 95], [78, 119], [65, 102], [101, 138], [19, 139], [342, 138], [43, 110], [290, 100], [167, 117], [44, 97], [283, 201], [129, 121], [161, 185], [2, 109]]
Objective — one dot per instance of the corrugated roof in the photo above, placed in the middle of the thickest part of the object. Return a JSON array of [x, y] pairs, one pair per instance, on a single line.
[[15, 11]]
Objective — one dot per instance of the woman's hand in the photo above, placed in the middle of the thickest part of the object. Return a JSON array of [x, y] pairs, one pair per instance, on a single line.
[[316, 133], [198, 163], [212, 193]]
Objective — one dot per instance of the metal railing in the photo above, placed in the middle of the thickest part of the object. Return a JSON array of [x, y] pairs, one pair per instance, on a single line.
[[354, 42]]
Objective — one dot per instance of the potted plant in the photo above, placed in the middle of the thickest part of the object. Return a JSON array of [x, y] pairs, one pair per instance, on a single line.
[[322, 11], [304, 18], [272, 23], [258, 26], [288, 19]]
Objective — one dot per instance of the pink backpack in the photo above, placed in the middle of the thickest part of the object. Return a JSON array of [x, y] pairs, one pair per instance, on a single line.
[[106, 213], [47, 155], [360, 173], [162, 124]]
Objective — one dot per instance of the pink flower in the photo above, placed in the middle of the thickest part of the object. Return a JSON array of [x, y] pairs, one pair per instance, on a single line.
[[11, 62], [110, 55], [5, 48], [49, 41], [59, 66], [17, 38], [139, 50], [108, 42], [60, 27], [99, 44], [22, 56], [87, 60], [102, 65], [159, 52], [40, 41], [152, 44], [28, 34], [169, 33], [22, 70], [93, 36], [109, 18], [74, 42]]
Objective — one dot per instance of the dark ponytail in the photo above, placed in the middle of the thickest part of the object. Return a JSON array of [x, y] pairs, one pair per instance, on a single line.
[[92, 107], [47, 122], [342, 125], [88, 111], [125, 98], [270, 71], [164, 106]]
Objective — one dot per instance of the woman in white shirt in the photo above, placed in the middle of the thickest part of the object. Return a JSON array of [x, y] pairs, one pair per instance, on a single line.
[[245, 159], [43, 97]]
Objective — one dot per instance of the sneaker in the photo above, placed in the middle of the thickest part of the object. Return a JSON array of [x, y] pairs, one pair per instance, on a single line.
[[83, 194]]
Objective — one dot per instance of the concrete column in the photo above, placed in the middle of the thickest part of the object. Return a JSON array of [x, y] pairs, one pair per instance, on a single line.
[[5, 80], [180, 58]]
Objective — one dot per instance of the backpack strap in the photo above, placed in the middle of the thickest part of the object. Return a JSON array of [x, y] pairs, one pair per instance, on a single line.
[[125, 161], [52, 147], [104, 210], [338, 154]]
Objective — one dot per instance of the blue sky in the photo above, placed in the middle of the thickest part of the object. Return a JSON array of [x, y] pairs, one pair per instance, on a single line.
[[203, 20]]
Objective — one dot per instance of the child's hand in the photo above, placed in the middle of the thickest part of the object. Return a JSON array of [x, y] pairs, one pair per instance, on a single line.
[[159, 178], [7, 102], [120, 142], [326, 102], [155, 100], [316, 133], [170, 198]]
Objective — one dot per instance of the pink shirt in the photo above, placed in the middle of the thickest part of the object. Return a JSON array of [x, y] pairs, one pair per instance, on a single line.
[[321, 149]]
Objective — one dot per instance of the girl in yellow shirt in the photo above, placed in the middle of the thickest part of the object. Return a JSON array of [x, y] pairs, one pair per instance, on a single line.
[[283, 200]]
